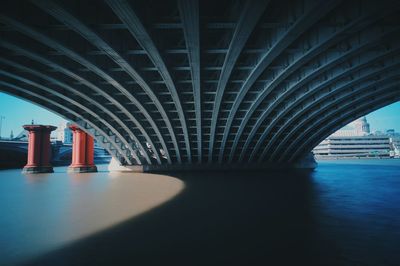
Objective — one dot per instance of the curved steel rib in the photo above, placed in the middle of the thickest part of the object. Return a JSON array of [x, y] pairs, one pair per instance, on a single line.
[[70, 111], [189, 12], [76, 77], [318, 88], [124, 11], [309, 77], [297, 64], [79, 59], [73, 91], [249, 17], [301, 25], [69, 20], [325, 108], [342, 119], [345, 101]]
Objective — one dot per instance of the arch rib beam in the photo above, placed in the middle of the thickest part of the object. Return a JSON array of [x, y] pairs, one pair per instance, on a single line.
[[343, 119], [83, 96], [345, 101], [79, 59], [189, 12], [72, 75], [325, 84], [251, 13], [126, 14], [70, 21], [311, 92], [72, 112], [61, 96], [319, 88], [287, 38], [50, 106], [329, 41], [326, 105], [301, 82]]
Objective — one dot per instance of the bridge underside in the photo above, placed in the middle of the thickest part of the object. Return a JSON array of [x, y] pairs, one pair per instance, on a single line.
[[168, 83]]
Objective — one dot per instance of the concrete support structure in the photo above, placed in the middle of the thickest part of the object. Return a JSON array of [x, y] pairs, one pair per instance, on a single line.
[[82, 152], [38, 149]]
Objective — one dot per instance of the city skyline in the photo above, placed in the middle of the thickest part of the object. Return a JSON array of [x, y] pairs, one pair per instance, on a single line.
[[14, 110]]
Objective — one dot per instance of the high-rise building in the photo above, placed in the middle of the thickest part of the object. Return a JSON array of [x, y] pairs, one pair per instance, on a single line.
[[63, 133]]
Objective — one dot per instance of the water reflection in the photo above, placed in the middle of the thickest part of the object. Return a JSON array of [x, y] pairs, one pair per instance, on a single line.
[[78, 179], [36, 178]]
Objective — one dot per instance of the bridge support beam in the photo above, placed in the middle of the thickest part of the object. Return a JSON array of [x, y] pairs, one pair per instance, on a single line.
[[306, 163], [38, 149], [116, 166], [82, 152]]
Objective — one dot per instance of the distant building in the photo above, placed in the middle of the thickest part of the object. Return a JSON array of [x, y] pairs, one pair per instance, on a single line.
[[395, 143], [360, 127], [63, 133], [390, 132], [354, 147], [356, 141]]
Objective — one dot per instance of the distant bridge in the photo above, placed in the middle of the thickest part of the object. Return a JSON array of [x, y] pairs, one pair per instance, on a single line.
[[14, 153], [219, 82]]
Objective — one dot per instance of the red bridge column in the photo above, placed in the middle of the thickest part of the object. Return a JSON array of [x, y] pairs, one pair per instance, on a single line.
[[39, 149], [82, 152]]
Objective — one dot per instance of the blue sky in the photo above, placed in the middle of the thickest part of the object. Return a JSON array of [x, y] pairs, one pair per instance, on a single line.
[[18, 112]]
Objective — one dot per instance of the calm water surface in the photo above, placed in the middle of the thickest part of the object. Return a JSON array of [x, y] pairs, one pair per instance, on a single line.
[[343, 213]]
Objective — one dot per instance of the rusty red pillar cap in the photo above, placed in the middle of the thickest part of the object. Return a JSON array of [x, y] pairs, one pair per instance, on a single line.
[[39, 127]]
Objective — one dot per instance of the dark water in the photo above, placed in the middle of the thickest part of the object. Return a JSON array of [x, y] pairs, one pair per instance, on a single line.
[[343, 213]]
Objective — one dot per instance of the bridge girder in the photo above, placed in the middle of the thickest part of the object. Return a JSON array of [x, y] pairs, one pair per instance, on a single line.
[[228, 82], [304, 99], [341, 120], [69, 88], [189, 12], [52, 91], [319, 101], [59, 13], [123, 10], [251, 13], [303, 80]]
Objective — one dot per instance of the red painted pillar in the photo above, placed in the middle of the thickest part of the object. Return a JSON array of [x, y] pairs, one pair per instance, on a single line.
[[39, 149], [82, 152]]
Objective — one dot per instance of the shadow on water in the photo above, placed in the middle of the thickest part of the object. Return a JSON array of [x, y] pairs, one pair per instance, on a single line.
[[220, 218]]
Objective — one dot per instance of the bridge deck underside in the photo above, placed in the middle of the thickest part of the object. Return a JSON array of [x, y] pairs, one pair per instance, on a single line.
[[218, 82]]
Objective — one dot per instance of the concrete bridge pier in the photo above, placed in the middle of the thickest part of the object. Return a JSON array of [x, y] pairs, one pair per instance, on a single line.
[[82, 152], [116, 166], [307, 162], [38, 149]]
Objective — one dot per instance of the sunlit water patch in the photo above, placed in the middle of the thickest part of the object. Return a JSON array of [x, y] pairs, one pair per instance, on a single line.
[[46, 211]]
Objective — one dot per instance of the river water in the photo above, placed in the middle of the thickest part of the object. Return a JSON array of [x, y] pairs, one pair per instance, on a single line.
[[343, 213]]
